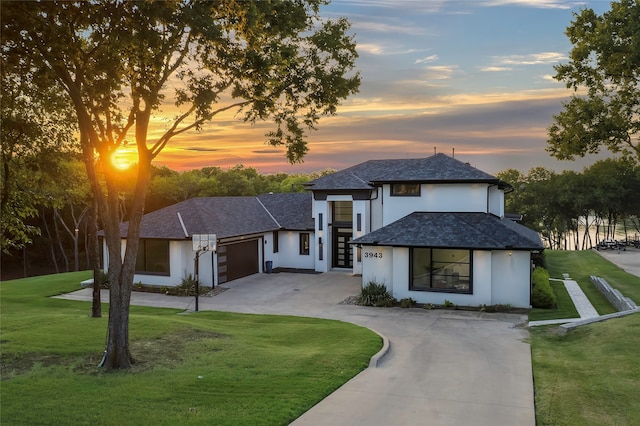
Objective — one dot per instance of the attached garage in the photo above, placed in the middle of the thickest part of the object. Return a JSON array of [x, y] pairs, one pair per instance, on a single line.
[[237, 260]]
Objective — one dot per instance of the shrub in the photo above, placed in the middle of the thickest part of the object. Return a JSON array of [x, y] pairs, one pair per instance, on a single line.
[[542, 295], [449, 304], [187, 287], [375, 294], [407, 302]]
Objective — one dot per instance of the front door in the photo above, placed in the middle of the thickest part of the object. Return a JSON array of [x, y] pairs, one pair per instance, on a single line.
[[342, 253]]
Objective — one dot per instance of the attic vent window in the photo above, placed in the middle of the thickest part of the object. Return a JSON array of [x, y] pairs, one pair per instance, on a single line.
[[405, 189]]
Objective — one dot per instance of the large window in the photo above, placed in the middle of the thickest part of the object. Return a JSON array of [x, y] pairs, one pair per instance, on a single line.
[[445, 270], [405, 189], [153, 257]]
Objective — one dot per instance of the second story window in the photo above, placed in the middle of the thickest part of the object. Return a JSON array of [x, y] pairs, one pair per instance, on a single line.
[[405, 189]]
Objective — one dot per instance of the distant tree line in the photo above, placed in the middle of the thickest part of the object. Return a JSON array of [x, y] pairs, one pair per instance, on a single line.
[[60, 207], [574, 210]]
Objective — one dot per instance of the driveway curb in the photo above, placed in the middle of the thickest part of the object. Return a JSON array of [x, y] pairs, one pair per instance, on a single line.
[[373, 362]]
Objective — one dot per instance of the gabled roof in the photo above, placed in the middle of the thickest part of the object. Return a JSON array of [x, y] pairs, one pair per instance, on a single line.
[[438, 168], [480, 231], [228, 216], [291, 210]]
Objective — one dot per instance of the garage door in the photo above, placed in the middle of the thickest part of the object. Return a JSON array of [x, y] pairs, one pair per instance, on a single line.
[[237, 260]]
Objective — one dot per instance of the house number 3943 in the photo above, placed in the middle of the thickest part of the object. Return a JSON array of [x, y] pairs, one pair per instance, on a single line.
[[370, 254]]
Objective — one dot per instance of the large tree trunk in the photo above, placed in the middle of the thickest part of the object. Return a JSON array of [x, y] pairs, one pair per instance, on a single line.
[[118, 354], [122, 269]]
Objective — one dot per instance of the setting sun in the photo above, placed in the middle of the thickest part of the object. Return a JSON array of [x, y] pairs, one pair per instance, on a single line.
[[123, 158]]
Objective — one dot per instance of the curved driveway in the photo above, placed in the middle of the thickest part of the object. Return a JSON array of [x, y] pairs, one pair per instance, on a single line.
[[443, 367]]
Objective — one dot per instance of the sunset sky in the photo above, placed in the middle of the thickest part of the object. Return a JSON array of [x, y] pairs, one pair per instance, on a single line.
[[474, 76]]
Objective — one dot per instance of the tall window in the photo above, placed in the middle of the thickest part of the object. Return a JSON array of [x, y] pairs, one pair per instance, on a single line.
[[275, 241], [405, 189], [153, 257], [445, 270], [304, 243]]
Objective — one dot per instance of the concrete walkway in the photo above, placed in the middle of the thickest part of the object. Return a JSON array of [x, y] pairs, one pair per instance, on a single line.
[[442, 367], [580, 301], [627, 260]]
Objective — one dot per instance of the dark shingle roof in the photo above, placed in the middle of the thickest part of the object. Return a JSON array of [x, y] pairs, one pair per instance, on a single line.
[[223, 216], [481, 231], [437, 168], [228, 216], [291, 210]]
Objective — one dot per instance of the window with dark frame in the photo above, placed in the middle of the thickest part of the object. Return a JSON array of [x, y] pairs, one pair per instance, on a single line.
[[153, 257], [342, 212], [275, 241], [405, 189], [441, 270], [304, 243]]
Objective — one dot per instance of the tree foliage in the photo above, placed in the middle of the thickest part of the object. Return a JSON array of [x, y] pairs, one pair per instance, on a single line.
[[569, 209], [605, 60], [120, 62], [37, 125]]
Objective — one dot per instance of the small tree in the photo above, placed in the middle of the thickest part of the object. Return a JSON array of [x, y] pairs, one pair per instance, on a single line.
[[119, 62], [605, 60]]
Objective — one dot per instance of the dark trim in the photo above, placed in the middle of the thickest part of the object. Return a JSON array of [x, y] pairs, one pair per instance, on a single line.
[[356, 194], [276, 245], [395, 193], [305, 243], [431, 287], [142, 249], [432, 181]]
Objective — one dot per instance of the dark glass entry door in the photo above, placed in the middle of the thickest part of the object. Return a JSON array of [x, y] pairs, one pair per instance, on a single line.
[[342, 254]]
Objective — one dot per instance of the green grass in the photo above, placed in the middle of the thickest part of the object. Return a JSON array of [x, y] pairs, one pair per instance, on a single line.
[[565, 309], [204, 368], [581, 265], [591, 375]]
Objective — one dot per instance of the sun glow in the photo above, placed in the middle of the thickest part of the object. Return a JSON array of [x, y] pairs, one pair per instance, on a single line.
[[123, 158]]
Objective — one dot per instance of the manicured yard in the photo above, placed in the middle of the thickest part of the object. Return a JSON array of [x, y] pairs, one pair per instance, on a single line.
[[591, 375], [582, 264], [204, 368]]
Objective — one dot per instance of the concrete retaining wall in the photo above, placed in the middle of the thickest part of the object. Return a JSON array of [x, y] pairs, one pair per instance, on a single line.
[[616, 298]]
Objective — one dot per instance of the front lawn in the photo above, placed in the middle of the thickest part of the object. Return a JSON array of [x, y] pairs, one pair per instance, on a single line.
[[592, 374], [200, 368]]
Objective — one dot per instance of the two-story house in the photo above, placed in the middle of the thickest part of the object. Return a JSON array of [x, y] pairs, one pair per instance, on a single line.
[[432, 229]]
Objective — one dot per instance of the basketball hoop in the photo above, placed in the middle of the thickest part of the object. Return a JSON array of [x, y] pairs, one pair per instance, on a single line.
[[204, 242]]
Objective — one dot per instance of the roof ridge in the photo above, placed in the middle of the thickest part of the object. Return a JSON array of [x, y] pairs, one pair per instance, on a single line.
[[267, 210]]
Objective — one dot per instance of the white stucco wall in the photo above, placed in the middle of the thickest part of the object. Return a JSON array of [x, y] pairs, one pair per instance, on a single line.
[[180, 265], [267, 243], [289, 251], [435, 198], [497, 277], [321, 206], [377, 265], [511, 278], [496, 201]]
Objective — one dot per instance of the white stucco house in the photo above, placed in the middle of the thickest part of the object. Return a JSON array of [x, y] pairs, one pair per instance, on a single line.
[[433, 229]]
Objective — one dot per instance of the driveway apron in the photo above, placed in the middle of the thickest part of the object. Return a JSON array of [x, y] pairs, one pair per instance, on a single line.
[[443, 367]]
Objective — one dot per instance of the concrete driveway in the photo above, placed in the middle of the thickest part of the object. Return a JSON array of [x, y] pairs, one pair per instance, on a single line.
[[442, 367]]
